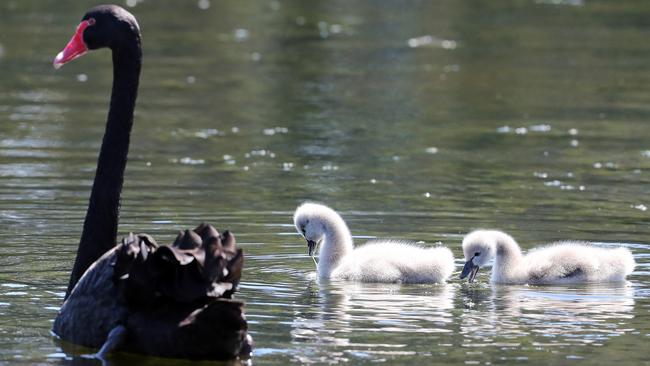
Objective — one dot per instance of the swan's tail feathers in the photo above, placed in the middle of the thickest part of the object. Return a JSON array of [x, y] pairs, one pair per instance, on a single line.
[[627, 260]]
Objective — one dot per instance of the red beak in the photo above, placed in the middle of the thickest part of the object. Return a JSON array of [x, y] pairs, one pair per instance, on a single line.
[[75, 48]]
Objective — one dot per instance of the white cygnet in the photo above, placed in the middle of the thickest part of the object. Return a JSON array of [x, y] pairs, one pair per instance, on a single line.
[[387, 261], [557, 263]]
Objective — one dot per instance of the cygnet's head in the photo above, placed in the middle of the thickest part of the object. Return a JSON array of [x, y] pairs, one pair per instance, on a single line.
[[479, 248], [309, 220]]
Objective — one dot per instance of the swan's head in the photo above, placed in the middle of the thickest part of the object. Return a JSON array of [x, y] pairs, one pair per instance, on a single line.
[[309, 220], [479, 248], [103, 26]]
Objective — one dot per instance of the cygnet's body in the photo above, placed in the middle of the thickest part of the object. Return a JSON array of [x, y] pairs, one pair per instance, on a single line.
[[558, 263], [387, 261]]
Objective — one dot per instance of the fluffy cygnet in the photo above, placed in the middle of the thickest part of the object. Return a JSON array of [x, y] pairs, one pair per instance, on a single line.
[[376, 261], [557, 263]]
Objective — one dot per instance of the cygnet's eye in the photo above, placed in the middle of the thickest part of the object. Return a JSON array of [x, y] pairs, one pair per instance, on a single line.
[[477, 254]]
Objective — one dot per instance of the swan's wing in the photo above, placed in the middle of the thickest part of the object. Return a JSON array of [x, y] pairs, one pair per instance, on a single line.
[[561, 261], [198, 266], [390, 241], [389, 260], [172, 299]]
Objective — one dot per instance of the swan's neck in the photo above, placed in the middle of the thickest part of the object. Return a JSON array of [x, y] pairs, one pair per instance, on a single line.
[[336, 244], [100, 226], [507, 260]]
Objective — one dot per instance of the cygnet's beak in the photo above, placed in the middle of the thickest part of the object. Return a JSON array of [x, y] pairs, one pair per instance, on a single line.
[[312, 246], [470, 269]]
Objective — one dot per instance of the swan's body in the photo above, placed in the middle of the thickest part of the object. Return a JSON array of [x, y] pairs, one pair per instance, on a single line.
[[557, 263], [395, 261], [171, 301], [387, 261]]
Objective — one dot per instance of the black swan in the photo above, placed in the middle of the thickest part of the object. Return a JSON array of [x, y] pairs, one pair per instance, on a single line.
[[169, 301]]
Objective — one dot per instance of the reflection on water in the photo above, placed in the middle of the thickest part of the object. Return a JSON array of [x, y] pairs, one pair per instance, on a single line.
[[338, 313], [333, 322], [561, 315], [534, 320], [415, 120]]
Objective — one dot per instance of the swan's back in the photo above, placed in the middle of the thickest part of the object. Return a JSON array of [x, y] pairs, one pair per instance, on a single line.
[[574, 262], [393, 261]]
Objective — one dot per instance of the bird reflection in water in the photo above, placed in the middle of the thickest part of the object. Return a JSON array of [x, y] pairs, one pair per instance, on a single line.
[[336, 315], [550, 315]]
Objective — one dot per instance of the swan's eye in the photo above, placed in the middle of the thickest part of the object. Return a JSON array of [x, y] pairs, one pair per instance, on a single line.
[[91, 21], [477, 254]]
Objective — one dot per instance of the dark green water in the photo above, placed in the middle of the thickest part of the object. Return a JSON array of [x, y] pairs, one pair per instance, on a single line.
[[528, 116]]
